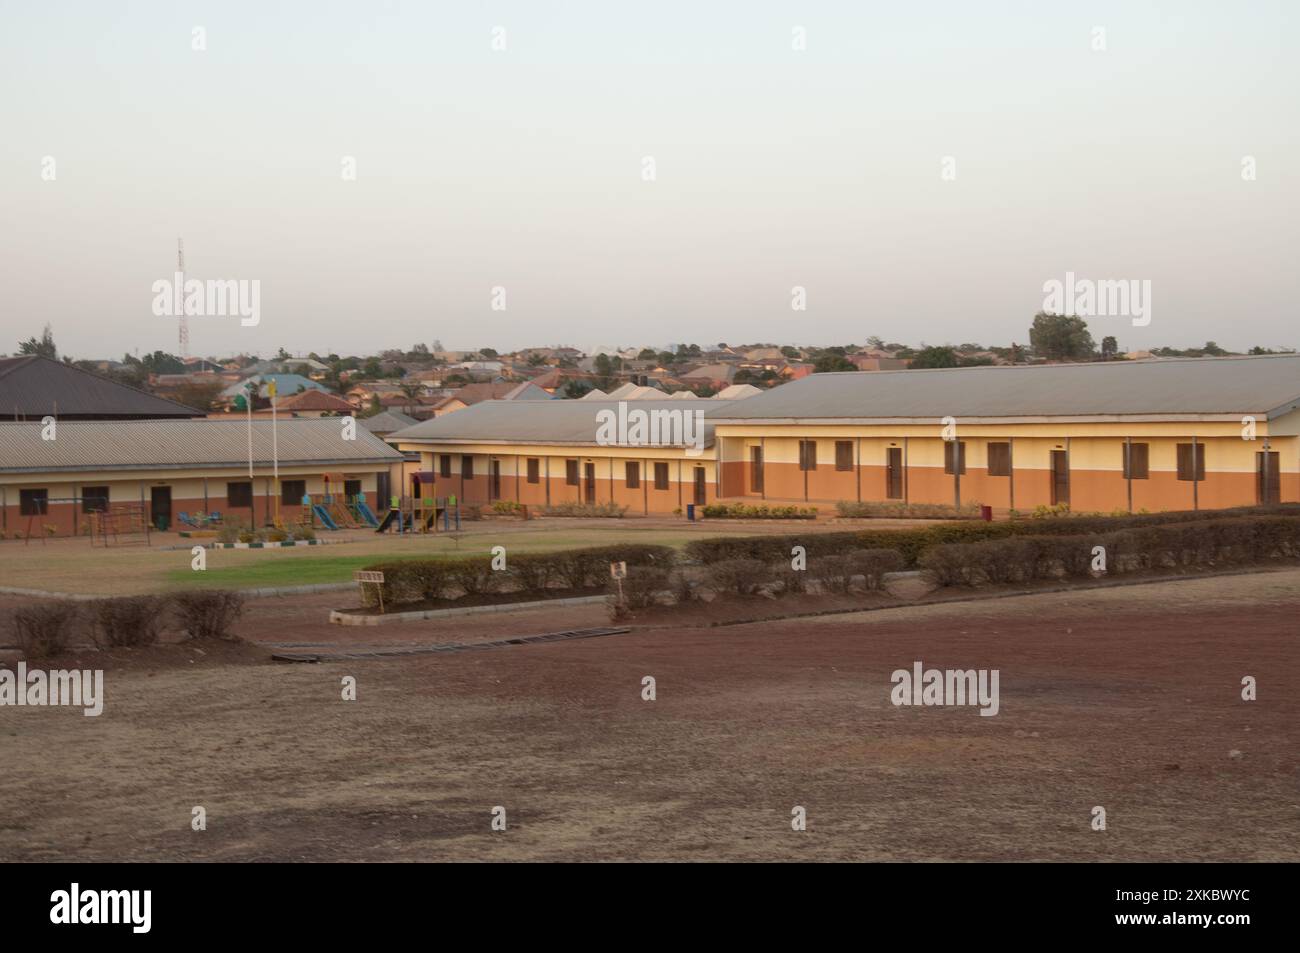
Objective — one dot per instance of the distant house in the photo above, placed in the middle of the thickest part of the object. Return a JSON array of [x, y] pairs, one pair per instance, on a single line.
[[864, 362], [313, 403], [33, 387], [472, 394], [285, 385], [716, 376], [390, 421]]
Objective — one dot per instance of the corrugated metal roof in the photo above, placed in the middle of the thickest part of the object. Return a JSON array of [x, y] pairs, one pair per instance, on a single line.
[[1264, 386], [538, 421], [184, 444], [34, 386], [386, 422]]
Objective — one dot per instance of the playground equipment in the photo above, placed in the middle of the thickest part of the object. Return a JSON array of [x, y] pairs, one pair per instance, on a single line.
[[409, 514], [121, 523]]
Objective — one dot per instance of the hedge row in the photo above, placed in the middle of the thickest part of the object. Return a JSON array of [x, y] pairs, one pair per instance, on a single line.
[[418, 580], [1198, 543], [912, 542], [47, 629]]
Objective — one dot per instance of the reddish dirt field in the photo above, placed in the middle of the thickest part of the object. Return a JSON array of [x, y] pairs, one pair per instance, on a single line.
[[1124, 698]]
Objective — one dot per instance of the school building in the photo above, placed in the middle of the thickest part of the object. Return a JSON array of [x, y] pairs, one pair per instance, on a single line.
[[1100, 437], [52, 478]]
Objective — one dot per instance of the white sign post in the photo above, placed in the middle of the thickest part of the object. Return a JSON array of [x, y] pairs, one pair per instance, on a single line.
[[377, 578]]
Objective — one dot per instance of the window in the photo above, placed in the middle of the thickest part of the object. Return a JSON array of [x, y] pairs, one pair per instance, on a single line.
[[94, 499], [351, 489], [1191, 461], [239, 494], [894, 473], [661, 475], [843, 454], [292, 491], [999, 459], [632, 475], [807, 454], [954, 456], [571, 472], [534, 470], [467, 466], [1136, 457], [444, 466], [756, 469], [33, 502]]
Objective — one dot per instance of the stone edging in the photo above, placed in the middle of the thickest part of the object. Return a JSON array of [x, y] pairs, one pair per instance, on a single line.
[[349, 618]]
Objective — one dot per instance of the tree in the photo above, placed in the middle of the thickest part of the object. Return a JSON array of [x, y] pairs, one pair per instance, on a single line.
[[828, 361], [875, 342], [647, 354], [1109, 347], [1213, 349], [488, 354], [791, 353], [934, 357], [412, 390], [42, 348], [575, 389], [1058, 337]]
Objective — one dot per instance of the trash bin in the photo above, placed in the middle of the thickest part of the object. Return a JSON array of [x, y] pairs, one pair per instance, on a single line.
[[690, 512], [986, 514]]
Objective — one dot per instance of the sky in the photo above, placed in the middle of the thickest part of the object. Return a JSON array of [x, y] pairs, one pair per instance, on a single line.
[[523, 168]]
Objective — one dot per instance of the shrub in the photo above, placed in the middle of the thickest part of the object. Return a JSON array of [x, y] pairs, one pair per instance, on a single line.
[[208, 613], [507, 507], [274, 534], [642, 585], [44, 630], [304, 531], [741, 576], [682, 587], [473, 576], [949, 564], [788, 579], [125, 621], [901, 510], [229, 532], [834, 573], [874, 563], [610, 509], [531, 572], [762, 511]]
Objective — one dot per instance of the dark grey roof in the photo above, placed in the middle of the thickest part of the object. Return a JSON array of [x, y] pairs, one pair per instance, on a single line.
[[32, 387], [542, 421], [386, 422], [1266, 387], [92, 445]]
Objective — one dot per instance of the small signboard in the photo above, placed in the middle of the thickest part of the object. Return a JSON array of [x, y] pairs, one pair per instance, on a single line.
[[618, 570]]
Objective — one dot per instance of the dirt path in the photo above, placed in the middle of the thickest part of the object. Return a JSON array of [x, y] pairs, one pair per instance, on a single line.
[[1127, 699]]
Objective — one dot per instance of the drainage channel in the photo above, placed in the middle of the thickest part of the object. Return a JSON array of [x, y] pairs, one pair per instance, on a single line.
[[441, 647]]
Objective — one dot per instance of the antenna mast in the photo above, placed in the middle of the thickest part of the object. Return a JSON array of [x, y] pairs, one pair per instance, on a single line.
[[185, 327]]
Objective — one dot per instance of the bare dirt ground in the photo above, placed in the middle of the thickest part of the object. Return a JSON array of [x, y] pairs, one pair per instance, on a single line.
[[1125, 698]]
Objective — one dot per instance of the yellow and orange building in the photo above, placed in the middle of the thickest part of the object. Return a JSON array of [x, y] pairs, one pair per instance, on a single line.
[[1102, 437]]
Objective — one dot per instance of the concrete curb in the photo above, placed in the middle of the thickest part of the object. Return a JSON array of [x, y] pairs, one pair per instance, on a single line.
[[348, 618], [252, 593]]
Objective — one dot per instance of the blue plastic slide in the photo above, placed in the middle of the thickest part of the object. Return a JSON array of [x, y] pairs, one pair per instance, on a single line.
[[365, 513], [325, 518]]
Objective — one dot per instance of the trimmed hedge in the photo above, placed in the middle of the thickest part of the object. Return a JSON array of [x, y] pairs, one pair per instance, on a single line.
[[910, 543], [760, 511], [1199, 543], [418, 580]]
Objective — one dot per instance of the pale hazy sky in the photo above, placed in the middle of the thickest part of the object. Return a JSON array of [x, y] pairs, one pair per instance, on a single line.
[[522, 168]]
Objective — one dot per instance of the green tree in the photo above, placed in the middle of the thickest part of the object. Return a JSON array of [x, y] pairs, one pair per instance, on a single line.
[[828, 362], [1109, 348], [935, 357], [1058, 337], [42, 348]]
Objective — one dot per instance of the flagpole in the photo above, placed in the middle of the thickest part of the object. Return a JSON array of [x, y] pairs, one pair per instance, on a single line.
[[275, 454]]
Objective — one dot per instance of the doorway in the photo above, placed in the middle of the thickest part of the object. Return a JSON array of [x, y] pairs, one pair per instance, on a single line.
[[755, 469], [1268, 476], [894, 473], [1060, 478], [160, 507], [494, 483], [589, 482], [700, 496]]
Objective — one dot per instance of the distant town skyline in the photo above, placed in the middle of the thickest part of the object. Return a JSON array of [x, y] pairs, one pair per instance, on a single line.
[[392, 176]]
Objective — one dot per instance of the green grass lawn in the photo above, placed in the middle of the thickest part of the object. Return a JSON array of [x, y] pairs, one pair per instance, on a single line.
[[73, 565]]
